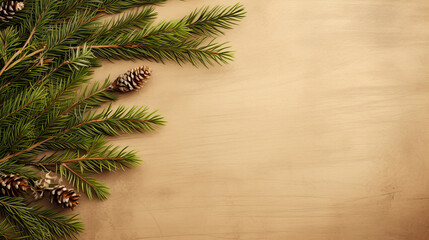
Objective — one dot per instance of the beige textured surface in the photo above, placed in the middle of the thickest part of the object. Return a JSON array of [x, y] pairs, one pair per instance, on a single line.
[[318, 130]]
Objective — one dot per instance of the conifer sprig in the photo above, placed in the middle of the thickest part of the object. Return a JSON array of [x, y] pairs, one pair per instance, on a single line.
[[126, 23], [82, 181], [36, 223], [77, 167], [212, 21]]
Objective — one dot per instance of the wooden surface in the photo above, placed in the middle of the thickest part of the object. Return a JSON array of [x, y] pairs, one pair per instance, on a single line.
[[319, 130]]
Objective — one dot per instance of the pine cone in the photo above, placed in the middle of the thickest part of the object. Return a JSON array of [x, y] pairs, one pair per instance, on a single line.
[[132, 80], [13, 185], [9, 8], [68, 198]]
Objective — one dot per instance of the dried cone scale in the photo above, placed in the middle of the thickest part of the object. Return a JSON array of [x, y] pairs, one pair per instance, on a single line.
[[67, 198], [13, 185], [9, 8], [132, 80]]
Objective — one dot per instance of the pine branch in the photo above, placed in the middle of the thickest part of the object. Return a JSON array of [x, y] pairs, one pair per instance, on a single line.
[[16, 108], [15, 137], [10, 167], [37, 223], [17, 213], [82, 182], [23, 58], [70, 32], [80, 58], [58, 225], [112, 123], [172, 40], [193, 51], [93, 97], [17, 77], [71, 6], [26, 150], [99, 157], [74, 160], [211, 21], [62, 92], [115, 6], [126, 23], [105, 123]]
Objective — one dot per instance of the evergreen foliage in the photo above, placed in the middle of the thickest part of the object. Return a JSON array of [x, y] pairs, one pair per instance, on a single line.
[[48, 112]]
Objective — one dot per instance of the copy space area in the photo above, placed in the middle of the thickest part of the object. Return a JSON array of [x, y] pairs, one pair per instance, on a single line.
[[318, 130]]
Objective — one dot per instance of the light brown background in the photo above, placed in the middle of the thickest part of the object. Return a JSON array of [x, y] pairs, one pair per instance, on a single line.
[[318, 130]]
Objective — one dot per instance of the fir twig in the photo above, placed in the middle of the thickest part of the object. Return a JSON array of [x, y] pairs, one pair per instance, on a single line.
[[39, 224]]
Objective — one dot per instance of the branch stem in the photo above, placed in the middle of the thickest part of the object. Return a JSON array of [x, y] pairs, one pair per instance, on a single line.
[[79, 176], [25, 57], [25, 150], [17, 110], [139, 46], [6, 66], [73, 160]]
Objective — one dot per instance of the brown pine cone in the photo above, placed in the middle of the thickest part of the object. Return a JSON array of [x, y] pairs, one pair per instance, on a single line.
[[9, 8], [67, 198], [13, 185], [132, 80]]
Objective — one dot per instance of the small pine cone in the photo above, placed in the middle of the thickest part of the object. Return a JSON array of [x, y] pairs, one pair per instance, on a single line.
[[132, 80], [9, 8], [13, 185], [67, 198]]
